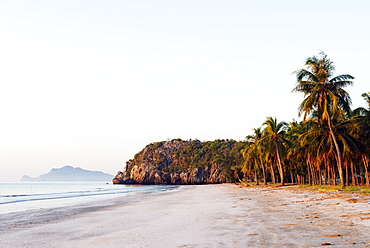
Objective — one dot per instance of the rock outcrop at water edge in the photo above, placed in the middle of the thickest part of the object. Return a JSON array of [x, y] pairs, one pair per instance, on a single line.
[[183, 162]]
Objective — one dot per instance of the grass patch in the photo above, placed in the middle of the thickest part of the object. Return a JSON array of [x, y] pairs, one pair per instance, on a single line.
[[365, 191], [321, 187], [350, 189], [347, 189], [328, 187], [304, 186]]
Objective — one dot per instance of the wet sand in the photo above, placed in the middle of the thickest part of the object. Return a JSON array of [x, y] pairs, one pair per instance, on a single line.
[[199, 216]]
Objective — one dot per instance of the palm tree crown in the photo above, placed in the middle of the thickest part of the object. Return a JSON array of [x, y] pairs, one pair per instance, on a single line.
[[323, 93]]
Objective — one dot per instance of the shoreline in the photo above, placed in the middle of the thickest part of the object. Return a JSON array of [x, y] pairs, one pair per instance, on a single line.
[[30, 218], [223, 215], [19, 196]]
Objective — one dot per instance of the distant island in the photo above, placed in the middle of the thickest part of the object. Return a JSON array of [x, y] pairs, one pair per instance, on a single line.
[[69, 173]]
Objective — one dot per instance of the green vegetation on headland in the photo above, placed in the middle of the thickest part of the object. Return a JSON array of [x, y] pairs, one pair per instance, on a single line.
[[196, 154], [184, 162], [330, 146]]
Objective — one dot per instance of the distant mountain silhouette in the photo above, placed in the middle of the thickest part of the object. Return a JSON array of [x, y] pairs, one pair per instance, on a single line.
[[68, 173]]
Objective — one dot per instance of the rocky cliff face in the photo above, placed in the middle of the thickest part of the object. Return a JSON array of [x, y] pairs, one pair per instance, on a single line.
[[182, 162]]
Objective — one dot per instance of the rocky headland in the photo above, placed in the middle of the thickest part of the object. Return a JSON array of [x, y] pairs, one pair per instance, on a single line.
[[181, 162]]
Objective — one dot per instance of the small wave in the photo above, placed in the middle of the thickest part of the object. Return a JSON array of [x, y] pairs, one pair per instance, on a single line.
[[12, 195], [11, 199]]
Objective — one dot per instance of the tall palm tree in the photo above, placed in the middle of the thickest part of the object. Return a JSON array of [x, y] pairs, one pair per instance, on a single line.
[[273, 138], [324, 95]]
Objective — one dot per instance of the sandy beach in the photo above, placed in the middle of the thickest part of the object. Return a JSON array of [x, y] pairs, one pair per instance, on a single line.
[[199, 216]]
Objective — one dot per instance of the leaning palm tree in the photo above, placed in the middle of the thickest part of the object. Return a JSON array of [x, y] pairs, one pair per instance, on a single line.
[[253, 150], [273, 138], [324, 95]]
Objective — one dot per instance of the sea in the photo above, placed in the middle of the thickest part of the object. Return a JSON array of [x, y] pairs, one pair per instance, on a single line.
[[22, 196]]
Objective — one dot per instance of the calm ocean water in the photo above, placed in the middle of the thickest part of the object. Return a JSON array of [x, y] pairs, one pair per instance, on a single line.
[[21, 196]]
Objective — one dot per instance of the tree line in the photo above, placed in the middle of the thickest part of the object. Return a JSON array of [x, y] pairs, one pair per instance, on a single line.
[[329, 146]]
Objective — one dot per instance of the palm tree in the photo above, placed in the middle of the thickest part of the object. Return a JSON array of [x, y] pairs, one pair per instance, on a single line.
[[321, 144], [273, 138], [324, 96], [363, 117], [296, 151], [250, 164], [253, 152]]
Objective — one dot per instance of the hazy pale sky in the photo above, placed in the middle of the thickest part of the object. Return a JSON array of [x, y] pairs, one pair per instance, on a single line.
[[90, 83]]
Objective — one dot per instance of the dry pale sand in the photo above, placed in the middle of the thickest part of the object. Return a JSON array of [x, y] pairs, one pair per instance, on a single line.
[[199, 216]]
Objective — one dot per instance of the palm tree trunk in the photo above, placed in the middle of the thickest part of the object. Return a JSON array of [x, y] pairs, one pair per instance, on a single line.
[[354, 183], [309, 173], [272, 174], [347, 173], [255, 176], [291, 176], [263, 172], [334, 175], [339, 155], [281, 172], [365, 160], [328, 171], [326, 175]]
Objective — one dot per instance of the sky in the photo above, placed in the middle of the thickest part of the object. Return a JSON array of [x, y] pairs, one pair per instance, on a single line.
[[90, 83]]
